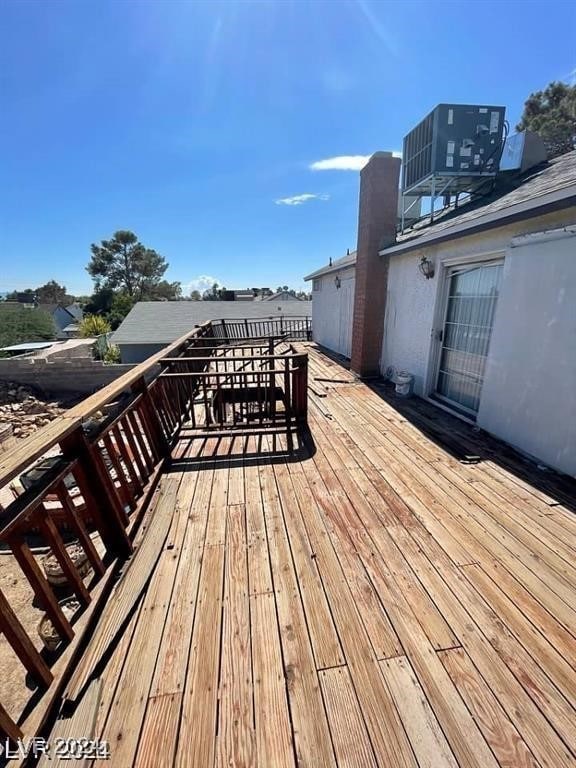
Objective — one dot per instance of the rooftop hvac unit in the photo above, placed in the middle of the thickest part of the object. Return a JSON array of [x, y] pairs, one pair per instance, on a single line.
[[523, 151], [452, 150]]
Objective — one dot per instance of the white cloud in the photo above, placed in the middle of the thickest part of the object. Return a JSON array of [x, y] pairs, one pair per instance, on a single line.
[[200, 283], [300, 199], [344, 162]]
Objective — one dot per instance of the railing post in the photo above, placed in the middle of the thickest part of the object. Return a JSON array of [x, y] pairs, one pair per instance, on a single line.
[[151, 417], [301, 388], [104, 499]]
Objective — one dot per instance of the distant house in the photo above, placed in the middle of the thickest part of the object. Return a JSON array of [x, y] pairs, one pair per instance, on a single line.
[[65, 318], [333, 303], [281, 296], [243, 296], [76, 311], [477, 306], [151, 325]]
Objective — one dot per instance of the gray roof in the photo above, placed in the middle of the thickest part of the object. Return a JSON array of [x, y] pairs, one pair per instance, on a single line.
[[282, 296], [161, 322], [76, 311], [549, 186], [346, 261]]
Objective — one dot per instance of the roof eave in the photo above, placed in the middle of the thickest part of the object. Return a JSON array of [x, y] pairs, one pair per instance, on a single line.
[[548, 203], [329, 270]]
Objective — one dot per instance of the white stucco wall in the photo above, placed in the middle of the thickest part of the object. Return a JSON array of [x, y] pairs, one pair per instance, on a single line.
[[409, 319], [529, 393], [332, 311]]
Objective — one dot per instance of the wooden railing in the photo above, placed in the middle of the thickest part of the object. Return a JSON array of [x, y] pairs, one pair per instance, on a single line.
[[291, 328], [100, 469], [247, 384]]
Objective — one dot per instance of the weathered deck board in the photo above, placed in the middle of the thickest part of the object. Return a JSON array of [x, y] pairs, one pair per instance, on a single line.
[[376, 599]]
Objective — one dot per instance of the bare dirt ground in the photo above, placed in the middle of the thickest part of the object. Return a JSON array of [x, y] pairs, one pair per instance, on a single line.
[[16, 689], [23, 410]]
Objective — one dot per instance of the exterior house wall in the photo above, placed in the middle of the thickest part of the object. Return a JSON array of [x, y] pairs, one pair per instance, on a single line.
[[408, 323], [332, 311], [529, 394], [137, 353], [414, 316]]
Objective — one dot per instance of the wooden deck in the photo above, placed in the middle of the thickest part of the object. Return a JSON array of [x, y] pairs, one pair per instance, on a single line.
[[400, 592]]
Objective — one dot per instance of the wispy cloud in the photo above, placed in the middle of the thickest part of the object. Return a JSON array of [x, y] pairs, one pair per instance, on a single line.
[[300, 199], [344, 162]]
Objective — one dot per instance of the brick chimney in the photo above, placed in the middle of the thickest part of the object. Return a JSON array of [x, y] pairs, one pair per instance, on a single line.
[[377, 216]]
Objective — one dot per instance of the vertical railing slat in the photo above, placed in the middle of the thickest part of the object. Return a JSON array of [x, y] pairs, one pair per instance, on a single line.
[[41, 587], [77, 523], [23, 647], [97, 487], [54, 541], [9, 727]]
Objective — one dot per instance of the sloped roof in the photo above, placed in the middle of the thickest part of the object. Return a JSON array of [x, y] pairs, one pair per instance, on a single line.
[[282, 296], [76, 311], [345, 261], [51, 308], [161, 322], [549, 186]]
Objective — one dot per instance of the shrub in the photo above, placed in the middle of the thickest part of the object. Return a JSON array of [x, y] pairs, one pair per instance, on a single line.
[[112, 354], [94, 325]]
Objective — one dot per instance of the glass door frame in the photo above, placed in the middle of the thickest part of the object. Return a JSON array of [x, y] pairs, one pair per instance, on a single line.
[[488, 259]]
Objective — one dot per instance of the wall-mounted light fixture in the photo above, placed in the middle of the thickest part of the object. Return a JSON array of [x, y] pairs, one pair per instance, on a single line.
[[426, 267], [337, 282]]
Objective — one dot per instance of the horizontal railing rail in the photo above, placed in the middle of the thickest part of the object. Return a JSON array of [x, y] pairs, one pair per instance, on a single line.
[[241, 386], [90, 473], [293, 328]]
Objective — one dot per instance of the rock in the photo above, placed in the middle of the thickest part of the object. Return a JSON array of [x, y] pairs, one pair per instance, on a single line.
[[24, 409]]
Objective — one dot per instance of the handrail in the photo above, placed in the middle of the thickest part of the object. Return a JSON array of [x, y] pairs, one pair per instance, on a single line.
[[14, 461]]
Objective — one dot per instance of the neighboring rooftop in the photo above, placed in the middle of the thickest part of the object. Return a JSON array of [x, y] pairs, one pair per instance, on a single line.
[[281, 296], [75, 310], [549, 186], [28, 346], [345, 261], [160, 322]]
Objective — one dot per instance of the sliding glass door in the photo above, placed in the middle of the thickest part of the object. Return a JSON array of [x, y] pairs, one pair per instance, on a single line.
[[470, 306]]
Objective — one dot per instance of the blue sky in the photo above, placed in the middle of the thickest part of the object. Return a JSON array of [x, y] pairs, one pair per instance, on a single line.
[[187, 122]]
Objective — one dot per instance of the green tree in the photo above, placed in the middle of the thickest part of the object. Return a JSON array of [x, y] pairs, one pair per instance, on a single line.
[[214, 293], [125, 264], [165, 291], [552, 114], [94, 325], [53, 293], [195, 295], [19, 324], [100, 303], [49, 293], [121, 305]]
